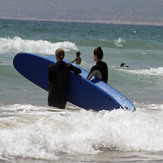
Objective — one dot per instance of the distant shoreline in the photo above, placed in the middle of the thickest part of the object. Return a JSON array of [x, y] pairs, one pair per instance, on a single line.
[[87, 21]]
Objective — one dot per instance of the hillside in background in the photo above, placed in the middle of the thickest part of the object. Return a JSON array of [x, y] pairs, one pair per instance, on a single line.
[[113, 11]]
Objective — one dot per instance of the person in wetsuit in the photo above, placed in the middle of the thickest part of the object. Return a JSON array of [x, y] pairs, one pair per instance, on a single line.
[[58, 75], [100, 70]]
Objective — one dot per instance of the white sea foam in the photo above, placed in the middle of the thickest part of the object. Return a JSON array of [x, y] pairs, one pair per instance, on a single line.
[[119, 42], [151, 71], [143, 53], [17, 44], [34, 132]]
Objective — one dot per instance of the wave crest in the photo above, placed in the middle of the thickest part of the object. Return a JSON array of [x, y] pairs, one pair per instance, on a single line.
[[151, 71], [119, 42], [17, 44]]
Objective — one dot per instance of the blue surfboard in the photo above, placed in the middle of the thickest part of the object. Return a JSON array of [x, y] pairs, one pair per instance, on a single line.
[[90, 95]]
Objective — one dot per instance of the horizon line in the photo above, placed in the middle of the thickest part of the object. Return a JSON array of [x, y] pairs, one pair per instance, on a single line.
[[87, 21]]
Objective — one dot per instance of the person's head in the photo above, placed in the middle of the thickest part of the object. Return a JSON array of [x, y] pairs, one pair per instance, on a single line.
[[60, 54], [98, 54], [77, 54]]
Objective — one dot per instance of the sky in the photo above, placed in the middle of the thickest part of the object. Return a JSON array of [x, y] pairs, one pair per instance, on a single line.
[[109, 11]]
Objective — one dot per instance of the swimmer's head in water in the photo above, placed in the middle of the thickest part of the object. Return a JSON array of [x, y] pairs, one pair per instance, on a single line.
[[98, 54], [60, 54], [123, 65]]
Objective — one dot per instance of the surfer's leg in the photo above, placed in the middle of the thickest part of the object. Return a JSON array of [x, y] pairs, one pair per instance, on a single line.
[[52, 101], [62, 104]]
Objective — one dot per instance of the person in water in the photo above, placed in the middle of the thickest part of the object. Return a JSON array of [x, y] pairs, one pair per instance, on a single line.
[[77, 59], [58, 75], [100, 70], [123, 65]]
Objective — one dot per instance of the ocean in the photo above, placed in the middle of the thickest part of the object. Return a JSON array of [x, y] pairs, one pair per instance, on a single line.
[[30, 131]]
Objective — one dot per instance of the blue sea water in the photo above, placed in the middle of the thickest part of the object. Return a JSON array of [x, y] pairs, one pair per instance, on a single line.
[[28, 130]]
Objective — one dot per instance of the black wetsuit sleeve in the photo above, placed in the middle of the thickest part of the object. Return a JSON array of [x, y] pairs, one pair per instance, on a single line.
[[49, 77], [75, 69]]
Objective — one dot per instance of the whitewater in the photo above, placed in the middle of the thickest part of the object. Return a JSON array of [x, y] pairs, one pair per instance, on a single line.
[[17, 44], [36, 132]]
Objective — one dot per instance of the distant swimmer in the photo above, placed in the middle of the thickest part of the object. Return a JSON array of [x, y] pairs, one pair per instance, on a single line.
[[77, 59], [58, 74], [100, 70], [1, 62], [123, 65]]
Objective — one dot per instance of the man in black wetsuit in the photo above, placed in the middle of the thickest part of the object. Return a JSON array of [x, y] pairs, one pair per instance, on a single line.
[[58, 75], [100, 70]]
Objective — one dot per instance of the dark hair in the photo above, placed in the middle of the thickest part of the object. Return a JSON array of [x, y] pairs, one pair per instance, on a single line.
[[98, 52], [60, 54], [78, 53]]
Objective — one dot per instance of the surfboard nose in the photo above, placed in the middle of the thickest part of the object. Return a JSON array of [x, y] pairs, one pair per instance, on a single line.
[[130, 109]]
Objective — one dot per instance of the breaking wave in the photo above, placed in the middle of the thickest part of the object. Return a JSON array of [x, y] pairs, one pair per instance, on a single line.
[[119, 42], [28, 131], [17, 44], [151, 71]]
